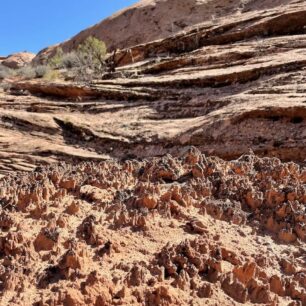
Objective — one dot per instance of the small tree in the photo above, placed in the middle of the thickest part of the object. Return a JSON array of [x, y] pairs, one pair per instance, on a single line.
[[85, 63], [92, 53]]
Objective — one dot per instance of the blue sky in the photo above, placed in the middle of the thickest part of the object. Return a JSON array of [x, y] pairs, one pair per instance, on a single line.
[[31, 25]]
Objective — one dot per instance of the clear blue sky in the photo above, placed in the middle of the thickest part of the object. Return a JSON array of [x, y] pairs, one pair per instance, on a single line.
[[32, 25]]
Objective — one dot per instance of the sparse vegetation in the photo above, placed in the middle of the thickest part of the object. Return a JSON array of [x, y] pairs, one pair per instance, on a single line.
[[41, 71], [4, 86], [30, 72], [5, 72], [92, 53], [52, 75], [56, 60], [85, 63], [70, 60], [27, 72]]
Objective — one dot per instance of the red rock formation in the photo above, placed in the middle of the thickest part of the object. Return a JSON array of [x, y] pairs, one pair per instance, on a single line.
[[150, 228], [237, 81], [18, 60], [155, 232]]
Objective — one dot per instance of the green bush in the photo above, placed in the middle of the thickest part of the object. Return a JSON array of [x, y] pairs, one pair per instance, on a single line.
[[92, 53]]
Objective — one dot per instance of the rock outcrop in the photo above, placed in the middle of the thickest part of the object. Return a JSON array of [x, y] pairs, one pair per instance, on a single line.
[[178, 178], [149, 20], [156, 18], [162, 231], [225, 86], [18, 60]]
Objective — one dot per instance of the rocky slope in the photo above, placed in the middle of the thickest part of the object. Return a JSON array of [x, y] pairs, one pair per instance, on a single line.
[[191, 230], [225, 87], [221, 220], [148, 20]]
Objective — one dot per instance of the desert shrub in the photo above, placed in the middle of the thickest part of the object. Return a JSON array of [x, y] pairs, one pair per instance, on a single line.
[[52, 75], [27, 72], [83, 64], [5, 72], [92, 53], [70, 60], [32, 72], [5, 86], [56, 60], [41, 71]]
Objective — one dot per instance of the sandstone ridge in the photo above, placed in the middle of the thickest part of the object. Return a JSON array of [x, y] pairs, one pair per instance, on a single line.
[[158, 19]]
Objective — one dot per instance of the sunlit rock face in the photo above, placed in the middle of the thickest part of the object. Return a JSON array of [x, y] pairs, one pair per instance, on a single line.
[[17, 60]]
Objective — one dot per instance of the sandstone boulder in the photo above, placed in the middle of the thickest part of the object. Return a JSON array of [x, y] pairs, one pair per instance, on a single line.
[[18, 60]]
